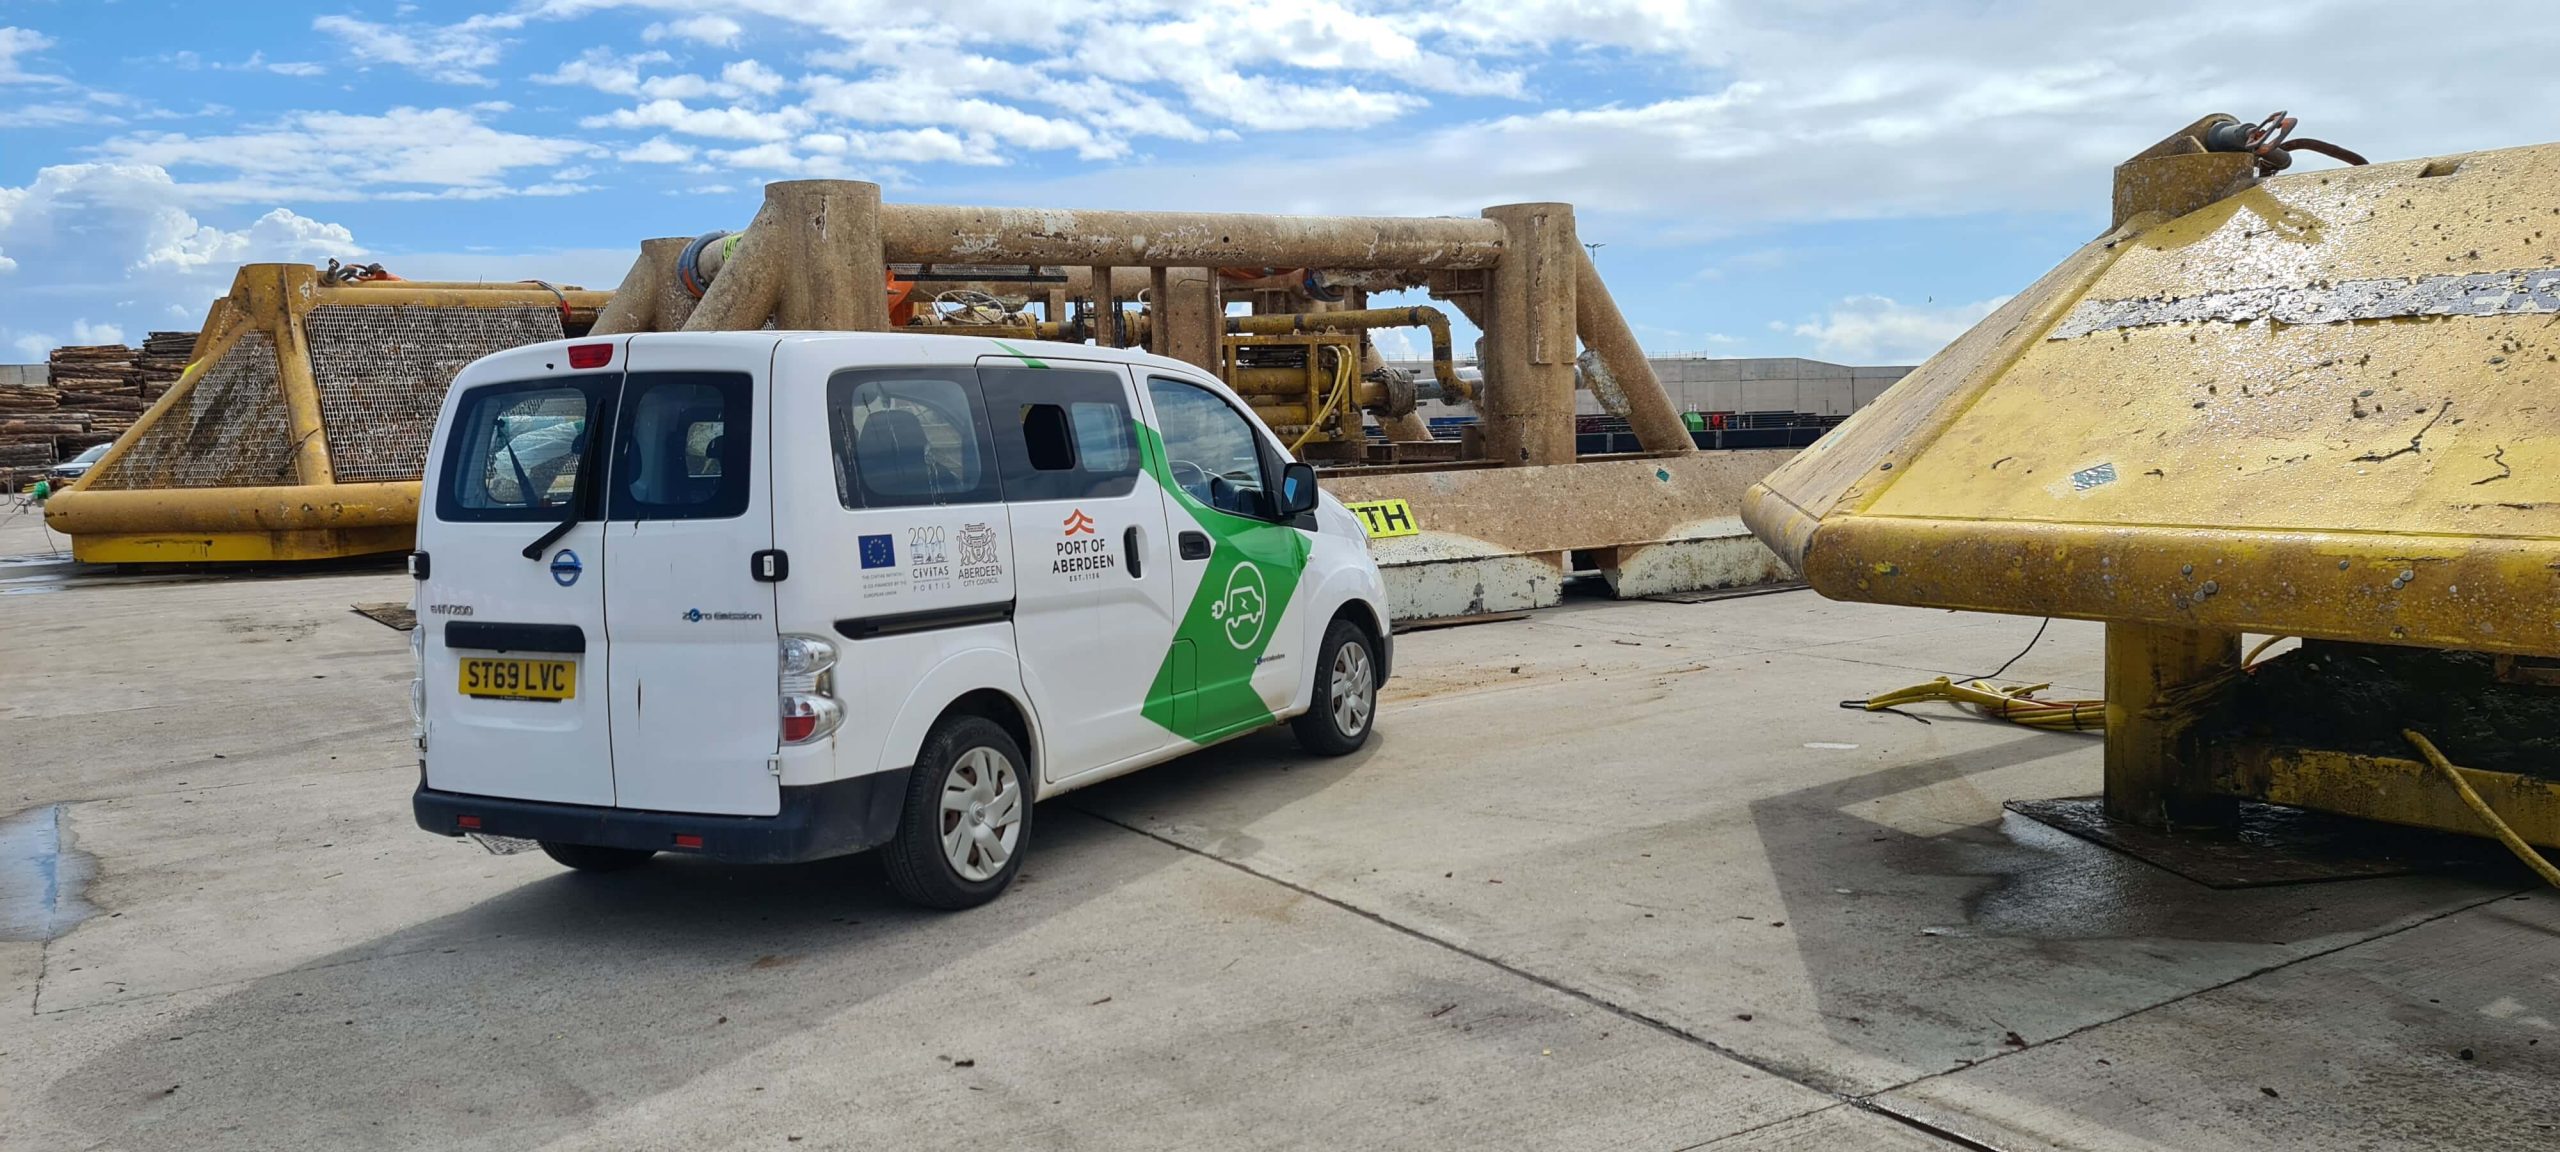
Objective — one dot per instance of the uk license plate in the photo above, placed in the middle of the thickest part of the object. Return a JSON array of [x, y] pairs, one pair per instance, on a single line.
[[511, 679]]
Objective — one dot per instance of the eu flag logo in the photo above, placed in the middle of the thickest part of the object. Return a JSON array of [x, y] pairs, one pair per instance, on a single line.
[[879, 552]]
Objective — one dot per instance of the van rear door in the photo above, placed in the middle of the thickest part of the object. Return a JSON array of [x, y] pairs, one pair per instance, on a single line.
[[513, 678], [694, 675]]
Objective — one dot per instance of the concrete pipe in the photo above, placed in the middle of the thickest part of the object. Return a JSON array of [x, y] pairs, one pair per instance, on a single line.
[[926, 234]]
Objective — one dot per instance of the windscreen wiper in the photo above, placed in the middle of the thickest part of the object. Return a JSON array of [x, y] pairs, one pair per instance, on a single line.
[[524, 483]]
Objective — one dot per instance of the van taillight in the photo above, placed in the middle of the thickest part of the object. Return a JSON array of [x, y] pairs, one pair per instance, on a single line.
[[590, 355], [809, 708]]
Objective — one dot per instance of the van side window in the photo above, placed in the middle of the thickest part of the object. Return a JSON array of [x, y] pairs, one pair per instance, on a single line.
[[909, 437], [1061, 433], [682, 447], [1209, 447], [516, 449]]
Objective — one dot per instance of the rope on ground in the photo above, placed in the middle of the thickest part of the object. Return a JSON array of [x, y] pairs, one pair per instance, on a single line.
[[2479, 807], [2017, 705]]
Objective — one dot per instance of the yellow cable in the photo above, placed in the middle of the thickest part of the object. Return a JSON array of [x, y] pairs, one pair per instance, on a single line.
[[2507, 836], [2015, 705], [1341, 384]]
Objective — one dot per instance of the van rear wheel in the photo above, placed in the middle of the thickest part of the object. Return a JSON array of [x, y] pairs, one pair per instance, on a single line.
[[1345, 706], [967, 817], [591, 858]]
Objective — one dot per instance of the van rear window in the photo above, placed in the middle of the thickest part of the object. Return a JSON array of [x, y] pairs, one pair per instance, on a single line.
[[909, 437], [517, 450], [683, 446]]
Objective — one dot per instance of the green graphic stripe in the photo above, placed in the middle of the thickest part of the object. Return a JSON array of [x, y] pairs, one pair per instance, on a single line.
[[1204, 688], [1028, 361]]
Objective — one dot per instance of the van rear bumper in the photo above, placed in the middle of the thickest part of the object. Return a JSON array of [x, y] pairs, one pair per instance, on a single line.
[[816, 821]]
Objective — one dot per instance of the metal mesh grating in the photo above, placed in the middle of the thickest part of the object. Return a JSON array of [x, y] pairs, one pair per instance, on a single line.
[[229, 431], [382, 372]]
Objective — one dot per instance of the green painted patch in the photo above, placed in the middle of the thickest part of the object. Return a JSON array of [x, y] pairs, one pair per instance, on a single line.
[[1253, 571]]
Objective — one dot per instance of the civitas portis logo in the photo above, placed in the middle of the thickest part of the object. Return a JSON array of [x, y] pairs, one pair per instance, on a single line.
[[979, 562], [565, 567], [929, 558], [1244, 608], [1085, 554], [697, 616]]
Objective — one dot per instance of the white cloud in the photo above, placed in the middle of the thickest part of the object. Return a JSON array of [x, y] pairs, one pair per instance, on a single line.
[[1879, 330], [656, 150], [736, 122], [604, 71], [118, 239], [719, 31], [54, 115], [402, 153], [452, 53], [750, 76], [16, 42]]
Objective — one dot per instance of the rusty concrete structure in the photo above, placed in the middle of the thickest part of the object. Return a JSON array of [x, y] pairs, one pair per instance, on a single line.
[[1279, 307], [2310, 404], [297, 433]]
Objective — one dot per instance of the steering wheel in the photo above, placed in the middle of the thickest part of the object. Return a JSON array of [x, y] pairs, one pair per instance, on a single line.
[[1176, 467]]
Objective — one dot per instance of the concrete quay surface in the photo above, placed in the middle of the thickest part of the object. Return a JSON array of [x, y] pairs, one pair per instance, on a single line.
[[1615, 876]]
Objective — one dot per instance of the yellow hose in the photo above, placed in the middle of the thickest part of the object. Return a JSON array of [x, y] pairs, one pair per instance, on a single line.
[[2015, 705], [2251, 660], [2507, 836], [1341, 385]]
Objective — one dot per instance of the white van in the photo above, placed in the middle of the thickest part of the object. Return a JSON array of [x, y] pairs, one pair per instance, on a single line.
[[776, 596]]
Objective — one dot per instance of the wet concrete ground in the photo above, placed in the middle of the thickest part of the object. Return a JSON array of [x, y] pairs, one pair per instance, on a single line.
[[1615, 876]]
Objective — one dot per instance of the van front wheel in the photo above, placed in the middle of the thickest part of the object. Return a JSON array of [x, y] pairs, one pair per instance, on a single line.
[[1345, 706], [967, 817], [590, 858]]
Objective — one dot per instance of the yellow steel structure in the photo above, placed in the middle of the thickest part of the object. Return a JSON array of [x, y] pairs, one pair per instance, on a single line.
[[236, 462], [2316, 404]]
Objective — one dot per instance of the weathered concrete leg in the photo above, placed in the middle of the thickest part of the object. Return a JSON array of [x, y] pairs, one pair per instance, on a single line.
[[830, 232], [749, 285], [1104, 323], [1187, 321], [1618, 370], [1406, 428], [641, 304], [2160, 682], [1529, 337]]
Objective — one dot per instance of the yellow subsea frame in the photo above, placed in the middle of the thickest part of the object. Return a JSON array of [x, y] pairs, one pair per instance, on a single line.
[[1386, 517]]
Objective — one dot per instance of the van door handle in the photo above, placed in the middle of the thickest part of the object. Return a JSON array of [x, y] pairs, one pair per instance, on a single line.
[[1195, 545], [1129, 544]]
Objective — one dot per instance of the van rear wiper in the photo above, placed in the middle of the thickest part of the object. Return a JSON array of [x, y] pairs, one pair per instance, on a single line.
[[533, 551]]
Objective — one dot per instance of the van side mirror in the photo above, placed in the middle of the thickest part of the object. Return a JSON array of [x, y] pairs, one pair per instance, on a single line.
[[1297, 489]]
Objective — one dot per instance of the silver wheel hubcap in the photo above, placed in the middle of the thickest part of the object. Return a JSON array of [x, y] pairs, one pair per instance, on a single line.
[[981, 813], [1353, 693]]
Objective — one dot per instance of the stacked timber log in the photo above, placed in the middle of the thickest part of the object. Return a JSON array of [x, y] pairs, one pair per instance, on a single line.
[[163, 358], [94, 392]]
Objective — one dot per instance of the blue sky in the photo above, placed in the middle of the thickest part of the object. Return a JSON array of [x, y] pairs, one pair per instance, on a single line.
[[1841, 179]]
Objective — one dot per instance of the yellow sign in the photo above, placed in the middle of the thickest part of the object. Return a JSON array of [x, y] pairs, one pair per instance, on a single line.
[[1386, 517]]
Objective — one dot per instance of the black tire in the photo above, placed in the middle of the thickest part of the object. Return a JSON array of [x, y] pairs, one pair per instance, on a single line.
[[1326, 728], [918, 860], [590, 858]]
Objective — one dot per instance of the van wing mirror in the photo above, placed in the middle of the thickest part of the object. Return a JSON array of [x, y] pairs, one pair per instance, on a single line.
[[1297, 489]]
